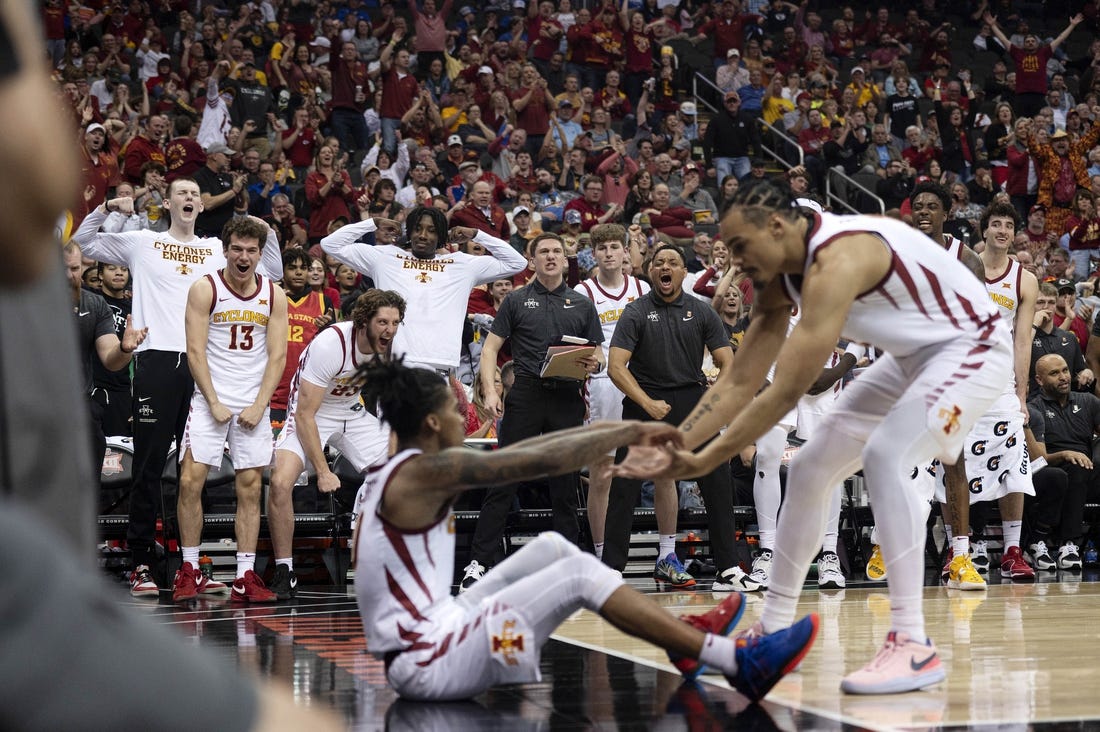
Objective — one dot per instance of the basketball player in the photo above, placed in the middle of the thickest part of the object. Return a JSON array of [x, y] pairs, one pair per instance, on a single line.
[[949, 355], [437, 647], [325, 409], [236, 348], [610, 291], [163, 266], [436, 285], [931, 203], [307, 312]]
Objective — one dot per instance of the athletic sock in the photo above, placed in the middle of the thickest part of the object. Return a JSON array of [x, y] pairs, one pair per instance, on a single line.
[[599, 549], [191, 556], [667, 546], [245, 561], [289, 562], [719, 652]]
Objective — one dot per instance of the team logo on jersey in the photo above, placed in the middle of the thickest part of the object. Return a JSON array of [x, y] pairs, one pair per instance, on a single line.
[[654, 317], [261, 302], [950, 419], [530, 303], [112, 463], [630, 299], [688, 316], [508, 643], [423, 278], [145, 410], [183, 269], [1006, 285]]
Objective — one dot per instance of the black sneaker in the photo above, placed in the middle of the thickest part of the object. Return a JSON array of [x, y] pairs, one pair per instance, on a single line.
[[284, 584]]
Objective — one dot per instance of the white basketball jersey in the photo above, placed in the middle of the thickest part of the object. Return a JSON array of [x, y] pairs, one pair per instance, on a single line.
[[1004, 291], [926, 298], [332, 362], [953, 246], [236, 347], [610, 306], [407, 591]]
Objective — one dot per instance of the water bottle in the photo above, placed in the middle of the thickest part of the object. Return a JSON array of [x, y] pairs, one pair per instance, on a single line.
[[206, 566]]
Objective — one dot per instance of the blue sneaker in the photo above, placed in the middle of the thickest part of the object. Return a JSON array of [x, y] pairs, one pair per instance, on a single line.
[[719, 621], [1090, 556], [671, 572], [762, 660]]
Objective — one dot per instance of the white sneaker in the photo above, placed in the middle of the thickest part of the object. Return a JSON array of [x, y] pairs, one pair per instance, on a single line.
[[761, 568], [473, 573], [1040, 557], [829, 575], [1069, 557], [734, 579], [979, 556]]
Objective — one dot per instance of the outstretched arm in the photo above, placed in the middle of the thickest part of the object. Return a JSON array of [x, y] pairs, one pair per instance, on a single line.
[[417, 491], [1073, 23]]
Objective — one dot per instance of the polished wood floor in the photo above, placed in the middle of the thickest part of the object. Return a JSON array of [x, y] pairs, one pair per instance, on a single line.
[[1020, 656]]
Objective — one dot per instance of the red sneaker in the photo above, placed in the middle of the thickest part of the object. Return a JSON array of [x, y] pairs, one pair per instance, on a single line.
[[720, 620], [251, 588], [186, 584], [1014, 566], [946, 571]]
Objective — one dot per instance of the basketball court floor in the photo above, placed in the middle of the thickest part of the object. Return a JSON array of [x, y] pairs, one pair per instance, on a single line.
[[1018, 657]]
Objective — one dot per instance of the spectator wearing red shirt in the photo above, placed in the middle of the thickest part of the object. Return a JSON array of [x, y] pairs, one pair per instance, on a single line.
[[330, 193], [431, 31], [399, 90], [612, 98], [299, 142], [480, 212], [544, 34], [727, 30], [588, 205], [146, 146], [183, 155], [99, 169], [352, 94], [637, 53], [533, 103], [1031, 65]]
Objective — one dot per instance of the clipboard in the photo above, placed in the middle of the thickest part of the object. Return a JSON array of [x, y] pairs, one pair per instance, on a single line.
[[561, 363]]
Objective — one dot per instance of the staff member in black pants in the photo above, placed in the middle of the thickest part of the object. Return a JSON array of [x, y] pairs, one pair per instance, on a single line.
[[534, 317], [656, 359]]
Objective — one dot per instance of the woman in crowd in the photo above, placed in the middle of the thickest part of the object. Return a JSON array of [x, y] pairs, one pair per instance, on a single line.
[[329, 192]]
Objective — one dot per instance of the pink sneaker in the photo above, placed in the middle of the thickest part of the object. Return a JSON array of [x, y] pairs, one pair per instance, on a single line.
[[901, 665], [1014, 567]]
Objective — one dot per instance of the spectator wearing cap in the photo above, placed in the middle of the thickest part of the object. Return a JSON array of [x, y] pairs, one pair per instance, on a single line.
[[798, 118], [1062, 167], [732, 75], [865, 90], [469, 172], [453, 113], [99, 168], [419, 175], [452, 159], [223, 193], [727, 29], [522, 231], [688, 115], [1066, 314], [399, 89], [730, 139], [564, 128], [696, 198], [486, 84]]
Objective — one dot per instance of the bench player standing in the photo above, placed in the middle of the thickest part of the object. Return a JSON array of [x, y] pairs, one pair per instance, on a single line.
[[236, 347], [163, 266]]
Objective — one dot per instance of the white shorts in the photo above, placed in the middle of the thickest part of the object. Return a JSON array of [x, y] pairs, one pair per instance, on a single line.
[[996, 455], [956, 385], [605, 401], [363, 439], [206, 438]]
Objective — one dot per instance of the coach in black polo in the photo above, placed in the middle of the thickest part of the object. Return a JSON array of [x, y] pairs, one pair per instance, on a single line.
[[533, 318], [656, 359]]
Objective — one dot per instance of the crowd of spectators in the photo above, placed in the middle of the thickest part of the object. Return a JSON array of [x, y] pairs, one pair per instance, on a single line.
[[516, 118]]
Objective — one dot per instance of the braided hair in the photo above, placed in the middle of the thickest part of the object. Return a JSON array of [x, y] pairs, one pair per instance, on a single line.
[[401, 395], [760, 200], [438, 218]]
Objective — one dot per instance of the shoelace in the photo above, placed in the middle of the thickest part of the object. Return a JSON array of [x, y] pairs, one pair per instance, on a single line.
[[980, 549], [884, 653], [1041, 549]]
